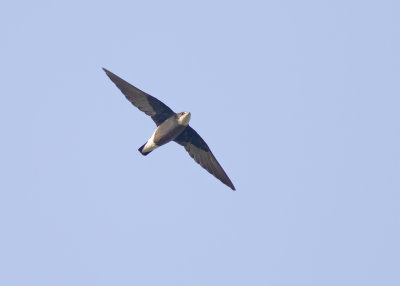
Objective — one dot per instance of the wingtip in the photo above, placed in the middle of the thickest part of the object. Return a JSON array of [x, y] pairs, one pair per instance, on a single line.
[[110, 74]]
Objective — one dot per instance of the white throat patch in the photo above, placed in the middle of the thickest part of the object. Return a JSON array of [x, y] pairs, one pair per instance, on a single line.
[[183, 119]]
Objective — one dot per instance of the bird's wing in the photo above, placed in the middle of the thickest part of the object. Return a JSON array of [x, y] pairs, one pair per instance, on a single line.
[[201, 153], [150, 105]]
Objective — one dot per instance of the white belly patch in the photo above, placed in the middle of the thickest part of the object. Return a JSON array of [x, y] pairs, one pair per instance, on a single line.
[[150, 145]]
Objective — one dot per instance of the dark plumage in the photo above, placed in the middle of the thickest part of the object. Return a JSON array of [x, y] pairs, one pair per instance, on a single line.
[[171, 126]]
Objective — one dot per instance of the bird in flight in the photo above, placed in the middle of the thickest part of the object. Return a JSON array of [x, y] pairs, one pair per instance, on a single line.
[[171, 126]]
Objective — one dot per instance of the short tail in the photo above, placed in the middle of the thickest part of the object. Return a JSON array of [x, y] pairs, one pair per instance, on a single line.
[[141, 150]]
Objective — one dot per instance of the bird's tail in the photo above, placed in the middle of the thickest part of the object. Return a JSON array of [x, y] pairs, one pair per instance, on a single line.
[[141, 150]]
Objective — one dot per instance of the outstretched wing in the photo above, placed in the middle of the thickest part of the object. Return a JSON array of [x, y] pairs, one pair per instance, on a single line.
[[201, 153], [145, 102]]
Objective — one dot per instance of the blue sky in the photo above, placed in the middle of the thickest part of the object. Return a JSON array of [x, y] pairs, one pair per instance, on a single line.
[[299, 101]]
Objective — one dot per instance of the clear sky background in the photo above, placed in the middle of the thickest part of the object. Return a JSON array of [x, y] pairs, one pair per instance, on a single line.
[[299, 101]]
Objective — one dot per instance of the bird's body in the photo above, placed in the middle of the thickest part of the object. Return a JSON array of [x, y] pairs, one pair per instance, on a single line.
[[171, 126], [166, 132]]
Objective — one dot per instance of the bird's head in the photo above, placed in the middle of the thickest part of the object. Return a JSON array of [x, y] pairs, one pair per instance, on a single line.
[[183, 118]]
